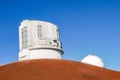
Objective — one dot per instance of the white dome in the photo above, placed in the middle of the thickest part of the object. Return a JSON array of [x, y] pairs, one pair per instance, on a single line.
[[93, 60]]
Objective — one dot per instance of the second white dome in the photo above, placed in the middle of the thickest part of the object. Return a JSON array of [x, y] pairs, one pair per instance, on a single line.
[[93, 60]]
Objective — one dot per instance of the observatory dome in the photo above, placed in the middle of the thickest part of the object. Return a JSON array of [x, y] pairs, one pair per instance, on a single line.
[[93, 60], [38, 40]]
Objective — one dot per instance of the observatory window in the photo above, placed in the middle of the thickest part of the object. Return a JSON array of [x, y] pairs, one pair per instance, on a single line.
[[24, 37], [50, 43], [57, 33], [61, 44], [39, 31]]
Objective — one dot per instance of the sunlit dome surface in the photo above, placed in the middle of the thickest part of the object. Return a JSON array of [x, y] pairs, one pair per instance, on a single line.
[[93, 60]]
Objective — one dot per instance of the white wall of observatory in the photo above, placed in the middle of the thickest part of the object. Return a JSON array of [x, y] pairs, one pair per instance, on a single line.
[[36, 35], [40, 54]]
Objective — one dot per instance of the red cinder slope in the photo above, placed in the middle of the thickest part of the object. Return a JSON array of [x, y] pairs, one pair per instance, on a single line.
[[50, 69]]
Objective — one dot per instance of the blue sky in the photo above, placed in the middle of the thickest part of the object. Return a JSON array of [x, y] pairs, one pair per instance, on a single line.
[[86, 27]]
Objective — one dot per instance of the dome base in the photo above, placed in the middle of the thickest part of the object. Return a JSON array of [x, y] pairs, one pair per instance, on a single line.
[[40, 54]]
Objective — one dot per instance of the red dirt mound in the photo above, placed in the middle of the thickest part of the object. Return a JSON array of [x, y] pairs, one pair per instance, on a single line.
[[48, 69]]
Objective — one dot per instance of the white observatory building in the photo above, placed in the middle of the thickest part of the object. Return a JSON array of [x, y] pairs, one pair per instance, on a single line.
[[93, 60], [38, 40]]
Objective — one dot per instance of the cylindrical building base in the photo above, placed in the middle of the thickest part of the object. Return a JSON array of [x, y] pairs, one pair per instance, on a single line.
[[40, 54]]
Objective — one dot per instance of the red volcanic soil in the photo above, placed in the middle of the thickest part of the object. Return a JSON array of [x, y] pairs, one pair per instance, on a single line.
[[51, 69]]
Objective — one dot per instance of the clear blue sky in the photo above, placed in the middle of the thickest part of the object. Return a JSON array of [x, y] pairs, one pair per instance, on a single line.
[[86, 27]]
